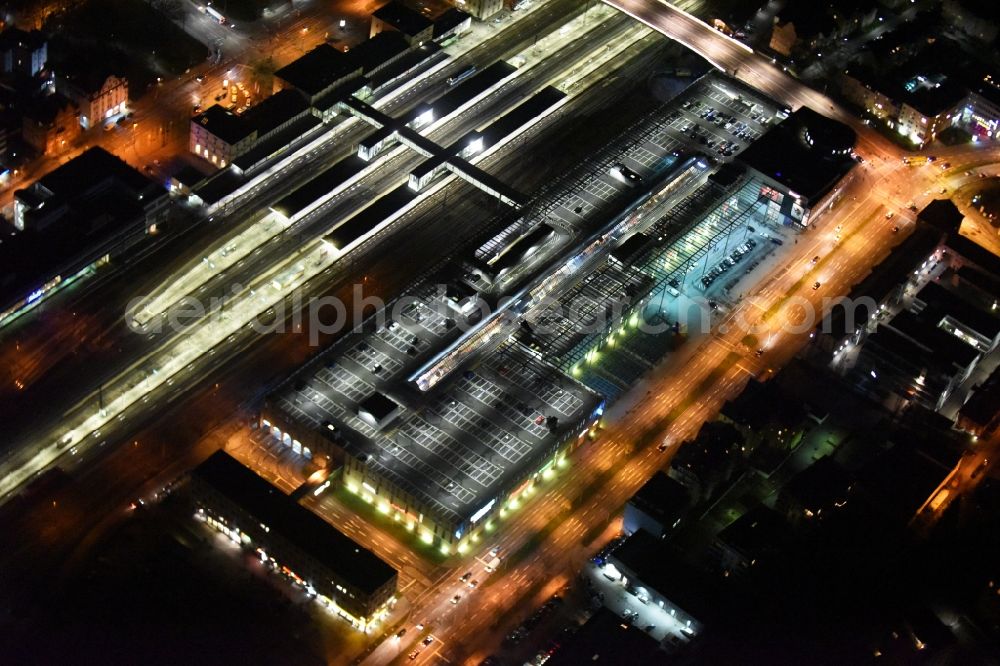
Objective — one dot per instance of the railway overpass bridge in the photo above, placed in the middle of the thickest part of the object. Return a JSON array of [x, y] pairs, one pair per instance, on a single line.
[[741, 62]]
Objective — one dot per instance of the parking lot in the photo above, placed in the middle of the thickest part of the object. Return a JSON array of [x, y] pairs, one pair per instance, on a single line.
[[584, 308], [458, 446], [727, 263], [649, 617], [721, 119], [716, 116], [649, 154], [652, 150]]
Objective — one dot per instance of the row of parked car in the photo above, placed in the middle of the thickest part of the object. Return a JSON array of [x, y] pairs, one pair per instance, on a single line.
[[603, 554], [699, 134], [542, 612], [738, 129], [719, 269]]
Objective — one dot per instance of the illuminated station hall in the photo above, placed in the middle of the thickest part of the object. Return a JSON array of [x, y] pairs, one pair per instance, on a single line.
[[345, 577]]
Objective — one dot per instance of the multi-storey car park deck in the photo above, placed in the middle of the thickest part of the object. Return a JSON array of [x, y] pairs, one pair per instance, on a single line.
[[440, 462], [442, 414]]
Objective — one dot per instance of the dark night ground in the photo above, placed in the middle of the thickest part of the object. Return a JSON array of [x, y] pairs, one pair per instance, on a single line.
[[146, 598], [836, 598]]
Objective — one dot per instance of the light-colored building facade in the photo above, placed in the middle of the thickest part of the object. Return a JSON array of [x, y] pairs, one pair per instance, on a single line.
[[923, 126], [783, 38], [869, 98], [980, 114], [481, 9], [97, 99], [921, 107], [351, 581], [219, 135]]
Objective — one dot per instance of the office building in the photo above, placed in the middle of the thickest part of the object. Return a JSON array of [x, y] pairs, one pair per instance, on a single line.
[[23, 53], [850, 321], [654, 571], [920, 87], [801, 165], [957, 249], [658, 507], [218, 135], [347, 578]]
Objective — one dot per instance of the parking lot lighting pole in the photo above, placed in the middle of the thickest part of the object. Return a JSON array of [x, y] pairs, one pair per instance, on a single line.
[[708, 253], [725, 249]]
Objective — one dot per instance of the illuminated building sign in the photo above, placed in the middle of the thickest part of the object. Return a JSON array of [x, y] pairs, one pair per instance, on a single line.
[[482, 512], [520, 489], [771, 193], [598, 411], [404, 512]]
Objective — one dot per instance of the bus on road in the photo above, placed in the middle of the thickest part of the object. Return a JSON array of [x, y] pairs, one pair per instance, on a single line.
[[217, 15], [918, 160]]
